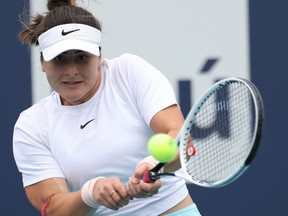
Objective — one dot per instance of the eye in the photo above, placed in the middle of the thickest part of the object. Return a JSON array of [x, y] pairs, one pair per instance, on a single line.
[[82, 56], [60, 58]]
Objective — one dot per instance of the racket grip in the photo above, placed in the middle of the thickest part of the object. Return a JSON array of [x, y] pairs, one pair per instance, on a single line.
[[145, 177], [149, 176]]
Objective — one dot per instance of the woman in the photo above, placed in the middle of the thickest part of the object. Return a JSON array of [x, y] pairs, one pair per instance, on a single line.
[[82, 150]]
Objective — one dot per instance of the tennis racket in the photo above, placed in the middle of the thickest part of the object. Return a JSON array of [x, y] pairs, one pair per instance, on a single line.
[[224, 127]]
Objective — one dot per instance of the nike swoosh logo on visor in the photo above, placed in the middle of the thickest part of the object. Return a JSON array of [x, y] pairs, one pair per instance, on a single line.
[[68, 32]]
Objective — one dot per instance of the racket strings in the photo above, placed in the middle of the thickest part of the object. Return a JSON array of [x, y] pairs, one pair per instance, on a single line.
[[221, 133]]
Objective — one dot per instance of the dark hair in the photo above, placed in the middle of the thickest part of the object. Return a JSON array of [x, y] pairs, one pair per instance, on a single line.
[[60, 12]]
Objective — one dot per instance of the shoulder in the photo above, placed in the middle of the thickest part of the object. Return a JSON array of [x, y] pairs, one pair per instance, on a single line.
[[126, 67], [126, 59], [130, 57], [38, 111], [133, 69], [40, 106]]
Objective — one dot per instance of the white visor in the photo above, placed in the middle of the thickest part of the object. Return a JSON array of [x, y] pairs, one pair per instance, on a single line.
[[71, 36]]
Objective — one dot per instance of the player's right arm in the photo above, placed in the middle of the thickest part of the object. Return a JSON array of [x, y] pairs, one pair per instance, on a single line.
[[61, 203], [67, 203]]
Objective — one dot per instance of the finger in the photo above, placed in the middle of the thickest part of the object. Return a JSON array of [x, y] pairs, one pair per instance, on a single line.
[[134, 189], [106, 201], [105, 191], [119, 194], [150, 186], [112, 200], [131, 190], [121, 190], [119, 200], [141, 169]]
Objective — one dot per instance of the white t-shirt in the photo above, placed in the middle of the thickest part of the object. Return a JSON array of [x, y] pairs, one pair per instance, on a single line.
[[105, 136]]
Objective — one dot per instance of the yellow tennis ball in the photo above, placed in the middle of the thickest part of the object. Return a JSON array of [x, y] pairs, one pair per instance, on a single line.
[[162, 147]]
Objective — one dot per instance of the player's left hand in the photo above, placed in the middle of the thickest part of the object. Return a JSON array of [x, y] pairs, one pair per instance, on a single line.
[[138, 188]]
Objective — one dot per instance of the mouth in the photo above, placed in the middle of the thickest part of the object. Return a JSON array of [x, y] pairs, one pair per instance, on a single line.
[[72, 84]]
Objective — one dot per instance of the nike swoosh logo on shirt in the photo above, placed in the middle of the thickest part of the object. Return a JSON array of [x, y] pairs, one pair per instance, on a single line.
[[83, 126]]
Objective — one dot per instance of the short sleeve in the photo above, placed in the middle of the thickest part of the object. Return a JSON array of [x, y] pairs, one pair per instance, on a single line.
[[31, 150]]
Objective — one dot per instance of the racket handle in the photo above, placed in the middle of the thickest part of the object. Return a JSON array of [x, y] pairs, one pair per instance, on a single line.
[[158, 167], [152, 175], [149, 176]]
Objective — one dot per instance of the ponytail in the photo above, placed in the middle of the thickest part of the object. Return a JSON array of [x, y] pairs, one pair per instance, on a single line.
[[59, 12], [51, 4]]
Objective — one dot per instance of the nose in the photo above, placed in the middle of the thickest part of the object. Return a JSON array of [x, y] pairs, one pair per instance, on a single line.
[[72, 69]]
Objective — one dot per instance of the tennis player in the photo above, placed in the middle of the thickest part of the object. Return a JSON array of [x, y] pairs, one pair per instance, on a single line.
[[82, 149]]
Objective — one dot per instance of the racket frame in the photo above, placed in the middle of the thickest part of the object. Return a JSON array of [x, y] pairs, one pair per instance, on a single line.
[[153, 174]]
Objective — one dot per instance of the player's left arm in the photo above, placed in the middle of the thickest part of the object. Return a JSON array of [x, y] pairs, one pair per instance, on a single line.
[[169, 121]]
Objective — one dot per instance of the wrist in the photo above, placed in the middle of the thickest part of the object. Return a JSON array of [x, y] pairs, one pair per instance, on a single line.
[[150, 160], [87, 192]]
